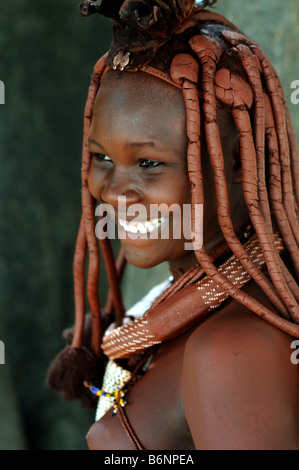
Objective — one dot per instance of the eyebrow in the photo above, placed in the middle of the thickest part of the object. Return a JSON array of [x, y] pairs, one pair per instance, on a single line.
[[129, 145], [140, 144], [92, 141]]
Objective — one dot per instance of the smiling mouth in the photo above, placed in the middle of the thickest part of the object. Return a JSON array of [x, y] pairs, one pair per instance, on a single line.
[[141, 227]]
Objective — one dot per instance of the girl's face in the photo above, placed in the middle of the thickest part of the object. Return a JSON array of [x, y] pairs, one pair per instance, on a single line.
[[138, 146]]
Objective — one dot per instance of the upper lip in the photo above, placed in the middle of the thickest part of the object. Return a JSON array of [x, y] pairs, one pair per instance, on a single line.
[[128, 219], [133, 219], [123, 215], [137, 220]]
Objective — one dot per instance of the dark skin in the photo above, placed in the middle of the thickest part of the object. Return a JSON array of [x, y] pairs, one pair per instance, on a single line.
[[228, 383]]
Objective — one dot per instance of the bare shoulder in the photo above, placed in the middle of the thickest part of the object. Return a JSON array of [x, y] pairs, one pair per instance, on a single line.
[[240, 385], [238, 331]]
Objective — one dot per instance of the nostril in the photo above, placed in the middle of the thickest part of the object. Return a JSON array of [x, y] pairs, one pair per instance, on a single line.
[[120, 195]]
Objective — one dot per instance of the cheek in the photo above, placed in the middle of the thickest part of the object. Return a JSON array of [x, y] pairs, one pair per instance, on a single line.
[[178, 199], [177, 189], [95, 183]]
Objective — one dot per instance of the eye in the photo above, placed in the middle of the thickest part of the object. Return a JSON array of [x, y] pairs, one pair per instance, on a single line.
[[100, 157], [147, 163]]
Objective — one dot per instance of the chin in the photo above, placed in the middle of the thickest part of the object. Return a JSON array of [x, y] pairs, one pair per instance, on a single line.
[[140, 260], [150, 255]]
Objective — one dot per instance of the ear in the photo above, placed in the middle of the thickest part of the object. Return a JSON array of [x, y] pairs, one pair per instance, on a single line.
[[236, 163]]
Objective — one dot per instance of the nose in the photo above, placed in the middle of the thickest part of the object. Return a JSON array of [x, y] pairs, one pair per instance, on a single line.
[[121, 186]]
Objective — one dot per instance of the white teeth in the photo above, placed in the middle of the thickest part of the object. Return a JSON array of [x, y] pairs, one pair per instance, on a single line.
[[141, 227]]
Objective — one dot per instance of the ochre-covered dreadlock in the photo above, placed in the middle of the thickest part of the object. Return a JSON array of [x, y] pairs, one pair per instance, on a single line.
[[214, 65]]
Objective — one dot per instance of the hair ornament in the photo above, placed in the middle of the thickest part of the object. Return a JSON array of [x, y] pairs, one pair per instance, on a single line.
[[121, 60], [141, 26]]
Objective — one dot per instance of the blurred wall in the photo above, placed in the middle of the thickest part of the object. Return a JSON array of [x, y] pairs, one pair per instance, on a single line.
[[47, 54]]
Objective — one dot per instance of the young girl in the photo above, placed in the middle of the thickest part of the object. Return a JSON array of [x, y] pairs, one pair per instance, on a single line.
[[186, 112]]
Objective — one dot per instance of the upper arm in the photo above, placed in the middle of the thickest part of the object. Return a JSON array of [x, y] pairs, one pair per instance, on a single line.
[[240, 387]]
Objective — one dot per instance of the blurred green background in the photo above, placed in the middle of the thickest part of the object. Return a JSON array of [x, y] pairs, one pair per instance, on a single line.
[[47, 55]]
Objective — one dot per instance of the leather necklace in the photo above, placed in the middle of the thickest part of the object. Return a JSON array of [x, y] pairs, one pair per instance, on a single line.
[[183, 309]]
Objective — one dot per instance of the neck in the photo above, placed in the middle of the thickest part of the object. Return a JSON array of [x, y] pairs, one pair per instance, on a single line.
[[180, 265]]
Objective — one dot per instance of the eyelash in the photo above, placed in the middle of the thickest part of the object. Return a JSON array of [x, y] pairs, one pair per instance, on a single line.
[[143, 163], [101, 157], [147, 163]]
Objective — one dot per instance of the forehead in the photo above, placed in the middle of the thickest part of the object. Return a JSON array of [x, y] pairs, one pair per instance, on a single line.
[[135, 101], [147, 92], [141, 89], [152, 81]]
